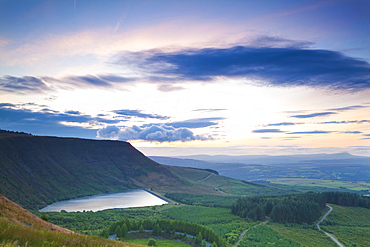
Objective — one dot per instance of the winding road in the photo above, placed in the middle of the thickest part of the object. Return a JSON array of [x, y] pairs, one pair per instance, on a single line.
[[328, 234], [243, 233]]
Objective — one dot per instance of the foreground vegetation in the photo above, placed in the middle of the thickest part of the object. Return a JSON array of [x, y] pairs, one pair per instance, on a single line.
[[18, 227], [12, 234]]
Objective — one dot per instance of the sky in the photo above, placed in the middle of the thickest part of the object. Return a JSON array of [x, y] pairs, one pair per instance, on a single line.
[[178, 78]]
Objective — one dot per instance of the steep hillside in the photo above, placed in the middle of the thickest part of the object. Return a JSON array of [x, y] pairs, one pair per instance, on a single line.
[[19, 227], [14, 213], [36, 171]]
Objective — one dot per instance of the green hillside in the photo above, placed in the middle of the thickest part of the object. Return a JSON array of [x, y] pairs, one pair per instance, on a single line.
[[36, 171]]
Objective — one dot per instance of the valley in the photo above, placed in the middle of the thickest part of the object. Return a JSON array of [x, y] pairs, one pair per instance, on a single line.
[[38, 171]]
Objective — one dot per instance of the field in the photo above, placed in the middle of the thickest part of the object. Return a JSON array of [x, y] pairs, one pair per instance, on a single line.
[[302, 234], [160, 242], [351, 225], [334, 184]]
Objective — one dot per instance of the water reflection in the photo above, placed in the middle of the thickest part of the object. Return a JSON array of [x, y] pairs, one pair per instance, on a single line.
[[126, 199]]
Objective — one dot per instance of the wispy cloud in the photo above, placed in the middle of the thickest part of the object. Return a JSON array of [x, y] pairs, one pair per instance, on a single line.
[[195, 123], [137, 113], [169, 88], [346, 122], [347, 108], [351, 132], [312, 115], [153, 133], [210, 109], [268, 131], [310, 132], [28, 84], [23, 84], [283, 124]]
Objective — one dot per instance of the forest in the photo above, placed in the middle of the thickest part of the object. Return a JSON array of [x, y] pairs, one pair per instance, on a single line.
[[300, 208], [123, 227]]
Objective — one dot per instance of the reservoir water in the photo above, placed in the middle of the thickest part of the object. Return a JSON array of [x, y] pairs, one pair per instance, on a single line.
[[125, 199]]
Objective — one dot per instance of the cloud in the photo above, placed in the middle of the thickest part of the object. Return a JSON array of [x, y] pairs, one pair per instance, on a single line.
[[45, 122], [73, 112], [210, 110], [137, 113], [346, 122], [312, 115], [283, 124], [27, 84], [49, 122], [155, 133], [310, 132], [195, 123], [351, 132], [23, 84], [289, 66], [6, 104], [268, 131], [347, 108], [278, 42], [169, 88]]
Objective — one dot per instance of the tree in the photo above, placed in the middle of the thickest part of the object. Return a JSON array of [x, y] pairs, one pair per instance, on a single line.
[[124, 230], [141, 229], [152, 242], [118, 231], [198, 238], [157, 231]]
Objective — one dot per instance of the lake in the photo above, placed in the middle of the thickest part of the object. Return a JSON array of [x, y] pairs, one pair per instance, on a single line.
[[125, 199]]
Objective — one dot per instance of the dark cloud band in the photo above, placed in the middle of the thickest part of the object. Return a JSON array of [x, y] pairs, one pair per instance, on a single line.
[[272, 66]]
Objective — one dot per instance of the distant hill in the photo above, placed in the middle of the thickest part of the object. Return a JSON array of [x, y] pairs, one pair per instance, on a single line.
[[38, 170], [269, 159], [342, 166]]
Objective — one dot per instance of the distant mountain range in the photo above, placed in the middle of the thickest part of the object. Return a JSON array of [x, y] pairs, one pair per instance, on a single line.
[[340, 166]]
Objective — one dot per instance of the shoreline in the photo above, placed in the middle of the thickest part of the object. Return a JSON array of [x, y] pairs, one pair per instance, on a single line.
[[159, 196]]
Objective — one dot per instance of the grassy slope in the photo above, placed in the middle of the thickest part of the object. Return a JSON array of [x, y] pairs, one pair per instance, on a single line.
[[19, 227], [351, 225], [305, 237]]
